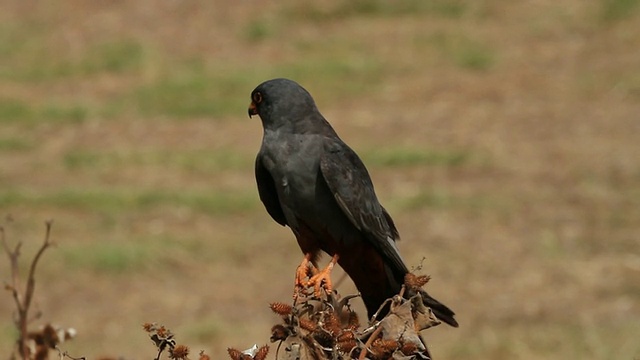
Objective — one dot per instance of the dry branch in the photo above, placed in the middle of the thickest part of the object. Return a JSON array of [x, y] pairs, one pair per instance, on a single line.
[[324, 327], [35, 344]]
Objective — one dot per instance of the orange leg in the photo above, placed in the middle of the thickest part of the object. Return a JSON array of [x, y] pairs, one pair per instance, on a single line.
[[302, 272], [323, 278], [305, 270]]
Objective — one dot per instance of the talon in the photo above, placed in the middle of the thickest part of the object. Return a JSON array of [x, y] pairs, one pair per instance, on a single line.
[[304, 271], [322, 279]]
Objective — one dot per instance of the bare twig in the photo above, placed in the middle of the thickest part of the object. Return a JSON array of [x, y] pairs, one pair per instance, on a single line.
[[23, 301], [375, 316], [64, 354], [15, 276], [31, 279], [367, 345]]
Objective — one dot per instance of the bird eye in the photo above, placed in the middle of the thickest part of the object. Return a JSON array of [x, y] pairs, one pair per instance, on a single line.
[[257, 97]]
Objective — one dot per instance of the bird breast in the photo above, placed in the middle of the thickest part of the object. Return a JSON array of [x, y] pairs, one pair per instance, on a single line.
[[293, 162]]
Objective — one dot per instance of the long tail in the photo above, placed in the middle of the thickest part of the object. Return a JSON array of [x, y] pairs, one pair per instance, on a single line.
[[378, 281], [441, 311], [375, 293]]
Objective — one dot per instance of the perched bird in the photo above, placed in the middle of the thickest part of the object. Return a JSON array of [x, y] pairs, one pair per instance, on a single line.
[[311, 181]]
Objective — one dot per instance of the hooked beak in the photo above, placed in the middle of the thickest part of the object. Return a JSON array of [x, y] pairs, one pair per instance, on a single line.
[[253, 110]]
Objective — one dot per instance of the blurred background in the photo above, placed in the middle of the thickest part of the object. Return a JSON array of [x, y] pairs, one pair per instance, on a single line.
[[502, 136]]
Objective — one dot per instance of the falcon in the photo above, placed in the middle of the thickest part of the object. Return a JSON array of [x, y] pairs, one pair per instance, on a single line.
[[311, 181]]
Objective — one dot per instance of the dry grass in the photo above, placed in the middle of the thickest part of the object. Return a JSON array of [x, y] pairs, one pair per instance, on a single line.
[[502, 136]]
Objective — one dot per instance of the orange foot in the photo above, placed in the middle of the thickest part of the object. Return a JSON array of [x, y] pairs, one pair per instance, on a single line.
[[305, 270], [317, 279], [323, 278]]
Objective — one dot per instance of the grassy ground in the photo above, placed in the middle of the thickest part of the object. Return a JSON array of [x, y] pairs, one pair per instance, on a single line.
[[502, 136]]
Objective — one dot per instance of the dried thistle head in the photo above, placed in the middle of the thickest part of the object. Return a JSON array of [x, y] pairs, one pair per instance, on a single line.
[[235, 354], [161, 336], [204, 356], [279, 332], [179, 352], [281, 308], [354, 322], [261, 354], [50, 336], [307, 324], [347, 335], [332, 323], [408, 348], [415, 282], [346, 341], [149, 327], [382, 348], [163, 332]]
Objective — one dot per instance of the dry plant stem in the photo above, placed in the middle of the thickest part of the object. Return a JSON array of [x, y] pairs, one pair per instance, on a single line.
[[375, 316], [373, 336], [13, 258], [24, 303], [402, 290], [65, 354], [159, 353]]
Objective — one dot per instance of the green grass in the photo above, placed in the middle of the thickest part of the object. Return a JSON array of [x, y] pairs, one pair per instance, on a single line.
[[474, 56], [378, 8], [15, 144], [116, 57], [194, 161], [110, 201], [442, 199], [195, 91], [12, 110], [109, 257], [113, 57], [404, 156], [437, 199], [630, 83], [614, 10], [355, 72], [19, 111], [64, 113], [205, 329], [258, 30], [464, 51], [200, 91]]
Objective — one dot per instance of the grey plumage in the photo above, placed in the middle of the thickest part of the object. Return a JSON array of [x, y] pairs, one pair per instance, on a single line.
[[311, 181]]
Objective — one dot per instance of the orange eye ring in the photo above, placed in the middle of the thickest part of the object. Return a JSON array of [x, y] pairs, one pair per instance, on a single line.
[[257, 97]]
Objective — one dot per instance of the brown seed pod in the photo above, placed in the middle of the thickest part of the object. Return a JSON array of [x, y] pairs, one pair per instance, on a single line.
[[307, 324], [163, 332], [382, 348], [332, 323], [261, 354], [281, 308], [354, 322], [415, 282], [408, 348], [179, 352], [346, 341], [204, 356], [235, 354], [279, 332]]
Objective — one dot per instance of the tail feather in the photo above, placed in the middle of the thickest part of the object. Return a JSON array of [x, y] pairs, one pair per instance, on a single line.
[[441, 311]]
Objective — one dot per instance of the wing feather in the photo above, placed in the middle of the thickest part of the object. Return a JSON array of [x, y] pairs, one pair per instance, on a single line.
[[349, 181], [268, 193]]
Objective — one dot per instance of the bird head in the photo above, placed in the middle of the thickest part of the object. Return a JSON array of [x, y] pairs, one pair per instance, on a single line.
[[281, 102]]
